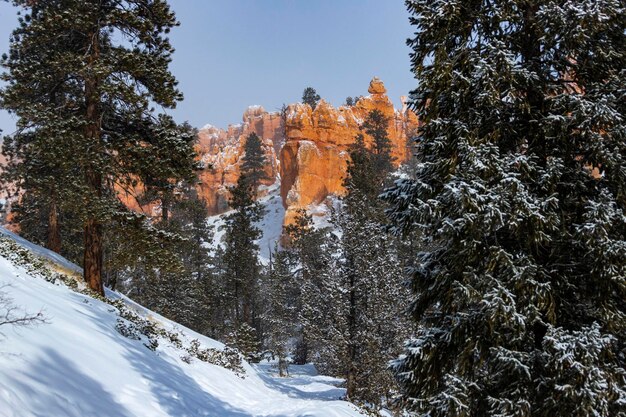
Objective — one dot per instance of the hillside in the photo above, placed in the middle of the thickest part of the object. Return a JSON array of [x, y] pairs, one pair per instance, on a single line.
[[80, 364]]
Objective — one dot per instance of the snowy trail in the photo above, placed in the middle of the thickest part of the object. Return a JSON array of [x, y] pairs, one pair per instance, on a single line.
[[79, 365]]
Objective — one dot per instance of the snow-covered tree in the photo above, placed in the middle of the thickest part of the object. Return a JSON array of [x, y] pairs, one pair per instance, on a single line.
[[368, 275], [519, 196], [106, 63], [280, 307], [352, 294], [311, 250]]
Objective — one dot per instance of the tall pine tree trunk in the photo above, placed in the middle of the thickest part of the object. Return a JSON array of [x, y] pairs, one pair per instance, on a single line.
[[93, 238], [54, 232], [92, 259]]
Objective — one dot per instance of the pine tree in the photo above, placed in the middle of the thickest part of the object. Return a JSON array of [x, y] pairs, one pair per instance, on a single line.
[[245, 339], [376, 125], [254, 162], [281, 306], [519, 197], [38, 171], [351, 287], [240, 257], [190, 298], [311, 251], [108, 60], [310, 97], [368, 283], [162, 187]]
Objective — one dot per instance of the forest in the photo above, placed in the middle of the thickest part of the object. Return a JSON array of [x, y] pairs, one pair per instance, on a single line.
[[483, 276]]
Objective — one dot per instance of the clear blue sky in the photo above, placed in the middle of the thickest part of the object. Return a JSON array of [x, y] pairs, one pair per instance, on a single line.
[[235, 53]]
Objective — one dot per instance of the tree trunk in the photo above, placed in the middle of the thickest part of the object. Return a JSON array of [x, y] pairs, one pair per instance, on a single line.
[[92, 260], [93, 237], [54, 233]]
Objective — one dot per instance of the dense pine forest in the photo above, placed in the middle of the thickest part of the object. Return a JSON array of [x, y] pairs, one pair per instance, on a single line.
[[483, 276]]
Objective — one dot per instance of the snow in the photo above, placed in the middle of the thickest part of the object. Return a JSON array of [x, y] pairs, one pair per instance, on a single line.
[[79, 365], [271, 224], [307, 145]]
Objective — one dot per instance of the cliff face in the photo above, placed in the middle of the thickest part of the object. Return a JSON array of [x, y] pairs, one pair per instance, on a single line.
[[313, 160], [307, 148], [221, 153]]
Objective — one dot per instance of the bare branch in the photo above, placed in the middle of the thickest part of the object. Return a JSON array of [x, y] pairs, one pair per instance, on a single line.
[[13, 316]]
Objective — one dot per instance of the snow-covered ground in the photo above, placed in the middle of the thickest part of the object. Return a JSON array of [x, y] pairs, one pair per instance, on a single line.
[[79, 365]]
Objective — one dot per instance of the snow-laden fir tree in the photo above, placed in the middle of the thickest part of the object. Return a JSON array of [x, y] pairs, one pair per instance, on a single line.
[[108, 61], [185, 294], [519, 196], [351, 294], [367, 284], [311, 250]]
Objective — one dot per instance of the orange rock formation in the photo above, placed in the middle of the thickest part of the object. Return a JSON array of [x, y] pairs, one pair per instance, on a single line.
[[307, 147], [221, 153], [313, 160]]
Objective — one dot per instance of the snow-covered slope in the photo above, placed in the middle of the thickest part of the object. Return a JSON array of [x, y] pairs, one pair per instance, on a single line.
[[80, 365], [271, 225]]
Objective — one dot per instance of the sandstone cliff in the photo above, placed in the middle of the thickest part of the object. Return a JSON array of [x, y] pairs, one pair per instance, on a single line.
[[221, 153], [306, 147]]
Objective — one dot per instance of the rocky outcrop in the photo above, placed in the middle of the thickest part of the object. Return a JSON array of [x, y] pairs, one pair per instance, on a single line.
[[307, 149], [221, 151], [313, 160]]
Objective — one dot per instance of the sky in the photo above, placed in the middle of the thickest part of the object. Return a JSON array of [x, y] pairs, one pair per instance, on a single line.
[[231, 54]]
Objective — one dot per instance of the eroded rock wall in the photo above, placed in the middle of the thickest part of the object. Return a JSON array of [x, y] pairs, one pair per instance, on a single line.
[[314, 158], [221, 152], [307, 147]]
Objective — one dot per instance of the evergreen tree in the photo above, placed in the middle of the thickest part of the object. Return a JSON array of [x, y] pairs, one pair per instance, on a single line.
[[189, 300], [164, 190], [240, 257], [37, 171], [109, 63], [281, 306], [254, 162], [376, 125], [519, 196], [245, 339], [310, 97], [351, 287], [311, 251], [368, 284]]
